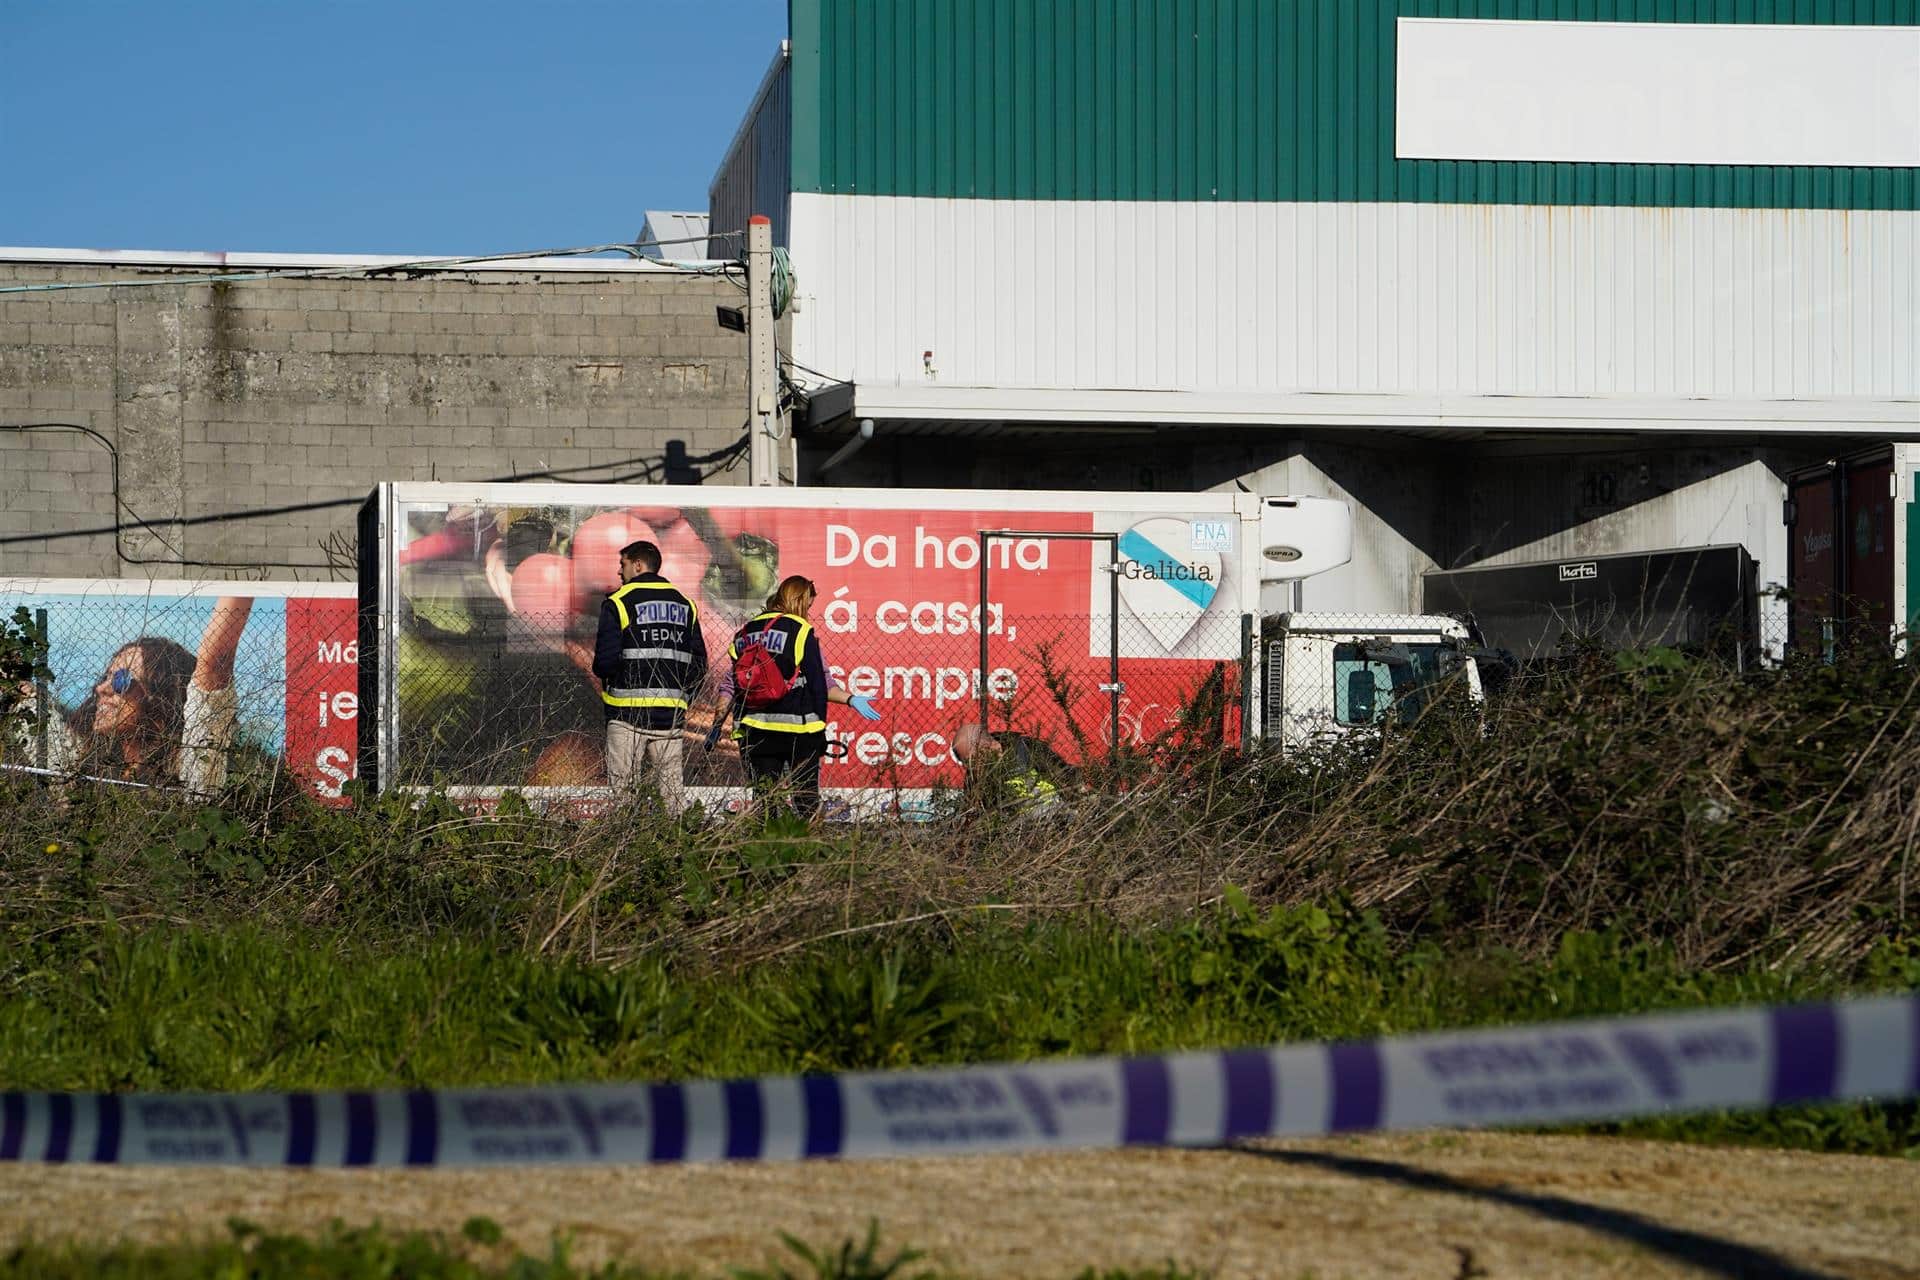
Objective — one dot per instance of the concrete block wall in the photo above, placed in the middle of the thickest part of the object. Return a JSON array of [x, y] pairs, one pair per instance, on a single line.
[[297, 396]]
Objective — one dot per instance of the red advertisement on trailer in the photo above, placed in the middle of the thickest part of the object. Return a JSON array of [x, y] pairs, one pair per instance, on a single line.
[[1089, 629]]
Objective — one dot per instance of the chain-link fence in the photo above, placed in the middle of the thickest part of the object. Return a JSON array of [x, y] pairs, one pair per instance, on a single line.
[[198, 691], [190, 691], [507, 701], [1778, 630], [1828, 628]]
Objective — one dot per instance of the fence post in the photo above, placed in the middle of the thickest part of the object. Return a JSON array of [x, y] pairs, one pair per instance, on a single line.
[[1248, 632], [40, 699]]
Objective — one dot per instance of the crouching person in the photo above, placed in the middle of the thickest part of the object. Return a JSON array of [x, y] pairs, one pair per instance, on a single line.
[[1010, 773]]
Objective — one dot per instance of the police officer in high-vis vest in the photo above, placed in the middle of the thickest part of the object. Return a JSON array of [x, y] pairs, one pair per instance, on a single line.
[[782, 744], [1005, 774], [650, 658]]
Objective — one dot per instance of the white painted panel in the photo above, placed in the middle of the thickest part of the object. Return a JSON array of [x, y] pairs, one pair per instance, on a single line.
[[1657, 93], [1740, 505], [1730, 305]]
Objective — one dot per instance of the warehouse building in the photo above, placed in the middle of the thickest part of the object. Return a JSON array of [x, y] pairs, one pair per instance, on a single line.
[[1521, 281]]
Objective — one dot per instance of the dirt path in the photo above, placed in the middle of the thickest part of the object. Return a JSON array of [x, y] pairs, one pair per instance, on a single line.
[[1429, 1205]]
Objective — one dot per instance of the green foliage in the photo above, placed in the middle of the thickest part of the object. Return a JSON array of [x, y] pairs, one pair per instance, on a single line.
[[850, 1261], [337, 1253], [859, 1015], [478, 1253], [241, 1009], [1617, 838], [1729, 815], [23, 659]]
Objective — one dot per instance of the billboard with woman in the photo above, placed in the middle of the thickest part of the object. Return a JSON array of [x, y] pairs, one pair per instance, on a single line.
[[190, 686]]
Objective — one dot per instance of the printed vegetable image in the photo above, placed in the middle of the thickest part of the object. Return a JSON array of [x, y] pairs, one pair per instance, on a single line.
[[683, 554], [432, 685], [745, 570], [574, 759], [543, 588], [596, 554]]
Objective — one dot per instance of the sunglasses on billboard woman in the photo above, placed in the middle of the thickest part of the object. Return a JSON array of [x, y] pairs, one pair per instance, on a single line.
[[121, 679]]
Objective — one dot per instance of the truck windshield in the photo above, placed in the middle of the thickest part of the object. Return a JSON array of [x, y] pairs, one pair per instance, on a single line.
[[1366, 691]]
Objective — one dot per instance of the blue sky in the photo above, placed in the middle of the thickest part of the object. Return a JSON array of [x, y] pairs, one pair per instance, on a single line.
[[348, 126]]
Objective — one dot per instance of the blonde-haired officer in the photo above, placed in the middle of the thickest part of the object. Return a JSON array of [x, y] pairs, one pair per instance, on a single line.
[[783, 742]]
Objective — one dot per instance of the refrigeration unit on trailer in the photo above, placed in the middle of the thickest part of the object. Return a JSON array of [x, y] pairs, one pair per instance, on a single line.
[[1095, 621]]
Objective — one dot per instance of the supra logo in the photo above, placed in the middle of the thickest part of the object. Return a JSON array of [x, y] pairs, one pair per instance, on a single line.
[[1577, 572]]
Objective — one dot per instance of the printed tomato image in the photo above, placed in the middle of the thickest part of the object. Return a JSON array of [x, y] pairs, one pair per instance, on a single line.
[[596, 554], [731, 522], [684, 555], [543, 588]]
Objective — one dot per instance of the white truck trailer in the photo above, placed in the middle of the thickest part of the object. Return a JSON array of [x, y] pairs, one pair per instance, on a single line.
[[1097, 621]]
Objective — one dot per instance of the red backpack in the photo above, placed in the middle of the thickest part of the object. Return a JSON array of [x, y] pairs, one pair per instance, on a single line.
[[758, 679]]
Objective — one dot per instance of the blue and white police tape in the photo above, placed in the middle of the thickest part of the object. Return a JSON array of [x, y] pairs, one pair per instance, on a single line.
[[1611, 1068]]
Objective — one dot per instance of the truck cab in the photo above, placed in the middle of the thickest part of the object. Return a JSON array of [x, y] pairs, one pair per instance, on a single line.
[[1327, 675]]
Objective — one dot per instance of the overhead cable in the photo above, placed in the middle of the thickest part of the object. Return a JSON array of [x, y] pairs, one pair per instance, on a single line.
[[653, 470]]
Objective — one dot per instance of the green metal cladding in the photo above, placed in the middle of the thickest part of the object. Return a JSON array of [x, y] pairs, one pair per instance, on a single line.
[[1913, 556], [1230, 100]]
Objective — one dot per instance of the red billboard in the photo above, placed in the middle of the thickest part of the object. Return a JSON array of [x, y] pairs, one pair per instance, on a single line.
[[495, 600]]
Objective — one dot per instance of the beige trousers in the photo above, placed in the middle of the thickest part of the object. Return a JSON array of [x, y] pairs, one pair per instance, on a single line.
[[633, 752]]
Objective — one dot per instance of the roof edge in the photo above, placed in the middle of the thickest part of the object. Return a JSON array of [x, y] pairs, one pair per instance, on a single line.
[[219, 260]]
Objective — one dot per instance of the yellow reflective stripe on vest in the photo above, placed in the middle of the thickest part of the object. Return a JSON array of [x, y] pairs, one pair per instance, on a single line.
[[1031, 786], [644, 698], [626, 619], [1032, 793], [780, 722]]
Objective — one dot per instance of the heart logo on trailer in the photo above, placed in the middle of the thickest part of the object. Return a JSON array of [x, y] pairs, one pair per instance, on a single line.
[[1165, 583]]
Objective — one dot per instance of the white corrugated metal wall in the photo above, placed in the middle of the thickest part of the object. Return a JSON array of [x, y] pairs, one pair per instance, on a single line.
[[1746, 304]]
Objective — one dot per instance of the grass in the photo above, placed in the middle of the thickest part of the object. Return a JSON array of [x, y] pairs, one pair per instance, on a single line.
[[243, 1009], [1736, 818], [1623, 836], [342, 1253]]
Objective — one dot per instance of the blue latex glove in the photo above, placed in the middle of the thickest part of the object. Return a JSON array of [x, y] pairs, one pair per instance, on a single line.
[[863, 705]]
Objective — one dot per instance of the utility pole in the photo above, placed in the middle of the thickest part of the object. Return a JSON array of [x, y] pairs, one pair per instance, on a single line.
[[766, 425]]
